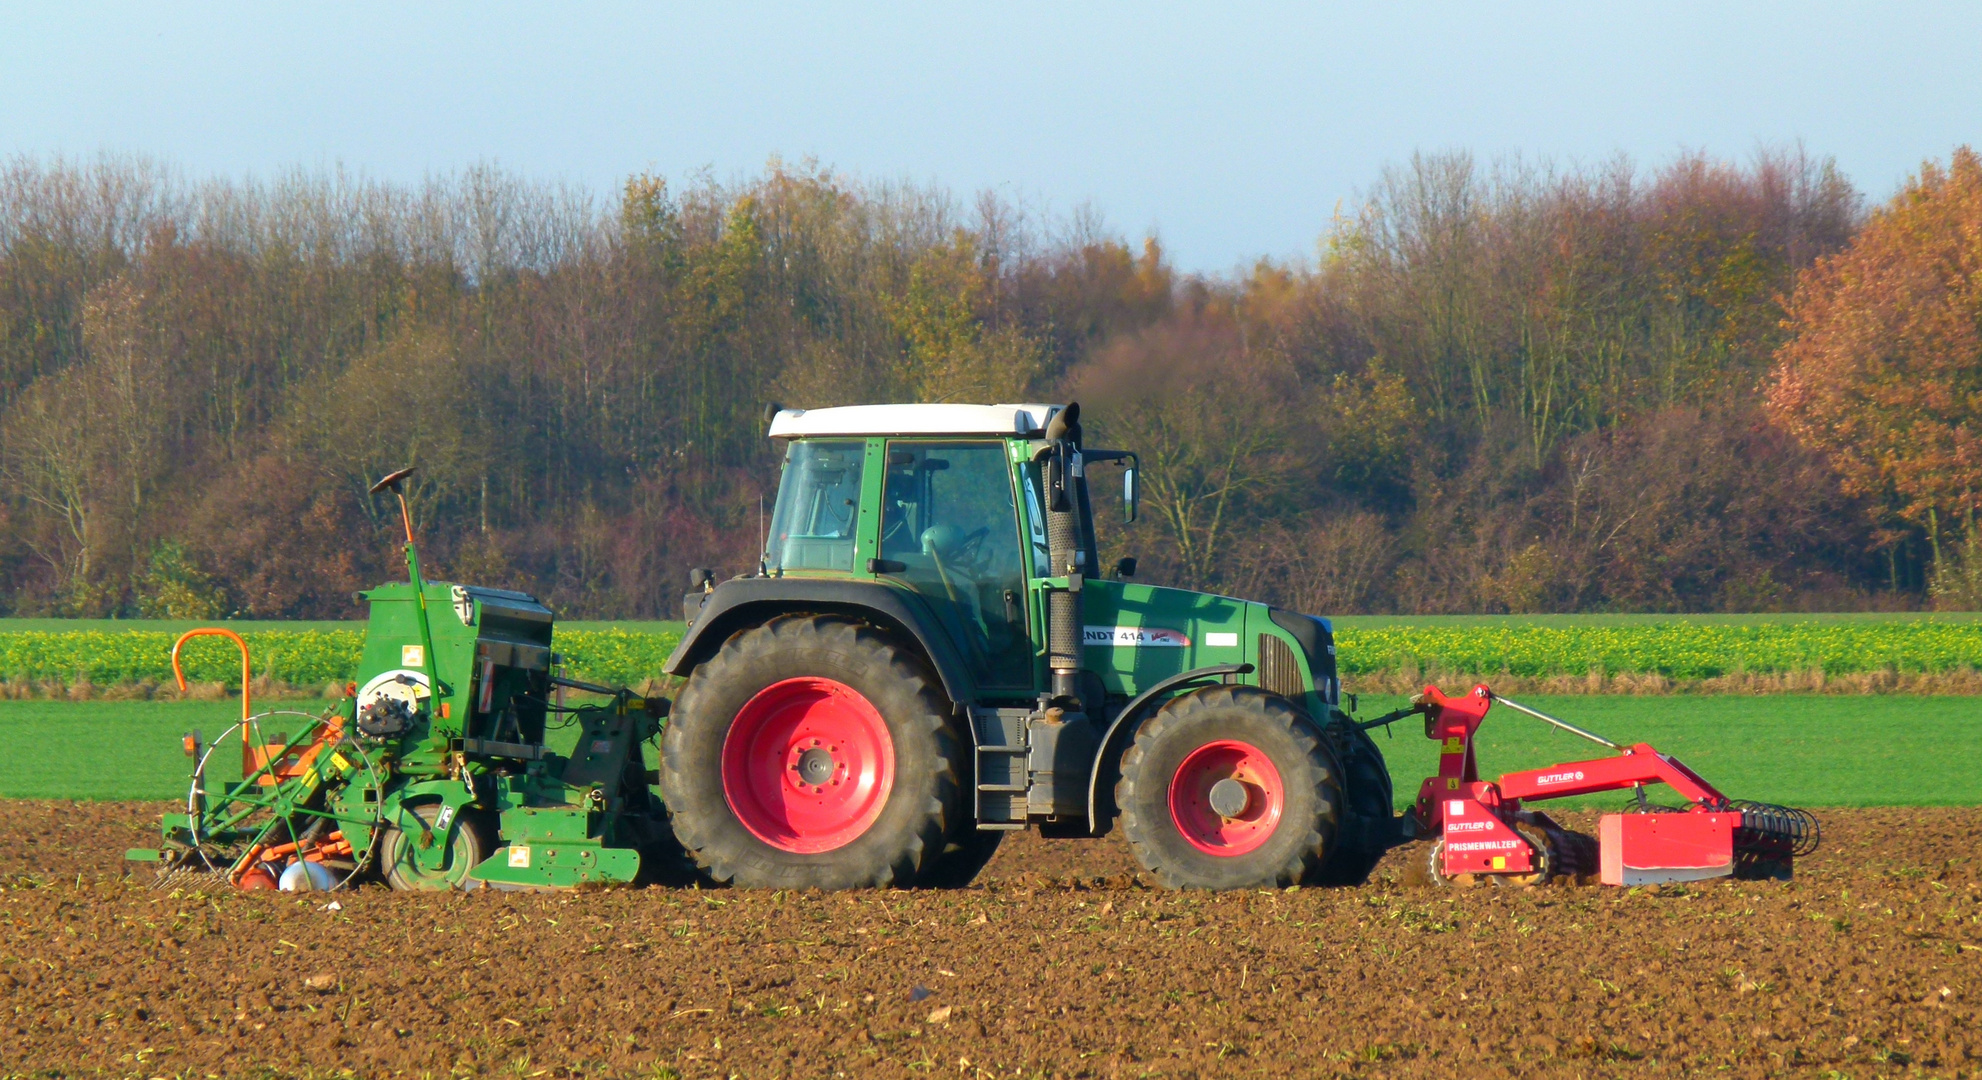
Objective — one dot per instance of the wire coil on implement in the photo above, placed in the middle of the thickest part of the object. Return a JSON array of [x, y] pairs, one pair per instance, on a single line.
[[1767, 825]]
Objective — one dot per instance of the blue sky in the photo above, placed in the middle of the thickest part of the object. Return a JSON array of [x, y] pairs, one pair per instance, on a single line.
[[1231, 130]]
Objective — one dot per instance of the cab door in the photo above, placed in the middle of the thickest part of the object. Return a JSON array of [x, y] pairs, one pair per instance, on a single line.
[[950, 531]]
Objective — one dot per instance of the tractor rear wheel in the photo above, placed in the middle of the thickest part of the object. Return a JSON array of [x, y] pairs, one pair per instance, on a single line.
[[811, 752], [1229, 787], [1368, 825]]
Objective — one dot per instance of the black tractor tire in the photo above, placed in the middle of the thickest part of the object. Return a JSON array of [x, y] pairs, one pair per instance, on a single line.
[[901, 844], [470, 845], [1291, 851], [1370, 826]]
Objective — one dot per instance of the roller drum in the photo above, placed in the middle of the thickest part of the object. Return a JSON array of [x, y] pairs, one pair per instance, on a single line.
[[1771, 829]]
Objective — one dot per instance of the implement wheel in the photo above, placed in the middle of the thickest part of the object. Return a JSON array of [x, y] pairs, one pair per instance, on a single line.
[[811, 752], [1426, 867], [406, 871], [1229, 787]]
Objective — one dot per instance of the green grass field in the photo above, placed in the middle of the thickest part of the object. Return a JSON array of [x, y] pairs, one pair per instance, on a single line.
[[1806, 750], [1798, 749]]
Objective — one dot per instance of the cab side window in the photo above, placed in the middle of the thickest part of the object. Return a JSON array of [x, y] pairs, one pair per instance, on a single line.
[[949, 521]]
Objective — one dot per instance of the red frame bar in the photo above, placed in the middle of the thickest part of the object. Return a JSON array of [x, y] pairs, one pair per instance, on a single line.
[[1639, 764]]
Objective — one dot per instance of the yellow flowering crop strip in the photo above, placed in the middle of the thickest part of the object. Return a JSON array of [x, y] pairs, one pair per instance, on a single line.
[[296, 657], [1677, 649]]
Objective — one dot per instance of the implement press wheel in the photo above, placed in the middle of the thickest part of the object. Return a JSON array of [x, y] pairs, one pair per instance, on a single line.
[[449, 852], [243, 832], [1558, 856]]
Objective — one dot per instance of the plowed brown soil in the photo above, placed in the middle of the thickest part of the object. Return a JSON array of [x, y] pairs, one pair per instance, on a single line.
[[1060, 962]]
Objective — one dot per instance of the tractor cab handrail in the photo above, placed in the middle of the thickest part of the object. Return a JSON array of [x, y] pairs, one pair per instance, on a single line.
[[214, 631]]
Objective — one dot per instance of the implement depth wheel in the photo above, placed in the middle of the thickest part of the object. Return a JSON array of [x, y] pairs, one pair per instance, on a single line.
[[1229, 787], [447, 869], [811, 752]]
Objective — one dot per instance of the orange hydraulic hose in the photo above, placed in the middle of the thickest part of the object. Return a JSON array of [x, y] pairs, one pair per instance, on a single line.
[[250, 759], [246, 711]]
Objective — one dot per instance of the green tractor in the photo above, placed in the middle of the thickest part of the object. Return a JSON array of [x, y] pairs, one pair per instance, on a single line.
[[927, 658]]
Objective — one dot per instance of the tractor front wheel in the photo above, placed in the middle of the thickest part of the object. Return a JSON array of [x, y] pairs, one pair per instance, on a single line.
[[812, 752], [1229, 787]]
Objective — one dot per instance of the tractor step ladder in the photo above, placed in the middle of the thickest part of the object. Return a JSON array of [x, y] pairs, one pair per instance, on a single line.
[[999, 768]]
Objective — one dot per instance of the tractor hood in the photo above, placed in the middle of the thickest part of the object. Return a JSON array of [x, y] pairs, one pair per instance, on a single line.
[[1137, 635]]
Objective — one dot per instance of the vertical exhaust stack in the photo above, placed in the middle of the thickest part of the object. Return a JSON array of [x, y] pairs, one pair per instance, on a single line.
[[1060, 738], [1064, 549]]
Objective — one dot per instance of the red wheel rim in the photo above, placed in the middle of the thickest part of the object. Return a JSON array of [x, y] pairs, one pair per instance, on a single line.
[[1195, 808], [808, 765]]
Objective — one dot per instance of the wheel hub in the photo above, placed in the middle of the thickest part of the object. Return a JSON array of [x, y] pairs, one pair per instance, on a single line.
[[1230, 797], [815, 766], [1226, 798]]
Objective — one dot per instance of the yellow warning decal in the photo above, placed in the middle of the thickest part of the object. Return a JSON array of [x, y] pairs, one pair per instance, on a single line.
[[338, 760], [1454, 745], [1452, 784], [1500, 862]]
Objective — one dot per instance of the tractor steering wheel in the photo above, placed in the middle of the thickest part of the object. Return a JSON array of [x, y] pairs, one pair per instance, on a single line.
[[967, 550]]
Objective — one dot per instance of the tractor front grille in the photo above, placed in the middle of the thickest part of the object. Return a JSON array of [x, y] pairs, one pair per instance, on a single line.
[[1279, 669]]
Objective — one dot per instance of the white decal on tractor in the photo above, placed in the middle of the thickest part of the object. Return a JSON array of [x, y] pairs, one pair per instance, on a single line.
[[1131, 637], [1558, 778]]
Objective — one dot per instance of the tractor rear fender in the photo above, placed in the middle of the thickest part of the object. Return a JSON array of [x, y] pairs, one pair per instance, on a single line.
[[742, 603], [1115, 740]]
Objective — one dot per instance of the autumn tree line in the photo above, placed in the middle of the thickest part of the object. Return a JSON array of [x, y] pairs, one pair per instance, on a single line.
[[1497, 387]]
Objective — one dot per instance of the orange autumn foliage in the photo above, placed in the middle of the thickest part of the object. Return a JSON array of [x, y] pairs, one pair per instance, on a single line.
[[1883, 369]]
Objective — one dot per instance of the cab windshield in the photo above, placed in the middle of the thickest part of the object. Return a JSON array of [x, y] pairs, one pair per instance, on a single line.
[[818, 506]]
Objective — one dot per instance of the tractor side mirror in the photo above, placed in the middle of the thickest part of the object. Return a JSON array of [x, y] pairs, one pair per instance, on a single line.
[[1129, 494]]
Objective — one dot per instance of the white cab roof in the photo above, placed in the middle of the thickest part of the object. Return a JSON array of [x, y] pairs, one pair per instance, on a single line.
[[912, 420]]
